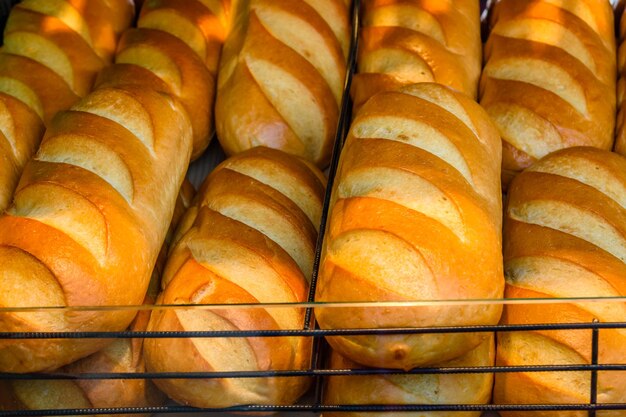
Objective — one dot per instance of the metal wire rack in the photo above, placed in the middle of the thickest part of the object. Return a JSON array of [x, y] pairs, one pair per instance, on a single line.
[[314, 401]]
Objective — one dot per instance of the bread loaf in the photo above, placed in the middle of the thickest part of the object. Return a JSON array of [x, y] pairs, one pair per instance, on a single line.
[[249, 238], [175, 49], [51, 54], [564, 229], [122, 355], [409, 41], [400, 389], [89, 216], [281, 77], [415, 215], [549, 78]]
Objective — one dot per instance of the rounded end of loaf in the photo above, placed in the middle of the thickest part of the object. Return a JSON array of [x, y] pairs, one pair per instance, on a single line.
[[122, 355], [416, 216], [280, 87], [404, 351], [413, 388], [245, 119], [564, 223], [27, 282], [195, 284]]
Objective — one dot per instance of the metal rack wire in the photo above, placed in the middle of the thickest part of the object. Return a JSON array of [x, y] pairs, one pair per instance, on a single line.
[[313, 403]]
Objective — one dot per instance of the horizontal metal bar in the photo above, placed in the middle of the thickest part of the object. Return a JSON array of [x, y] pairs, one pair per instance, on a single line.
[[311, 332], [319, 305], [311, 372], [317, 409]]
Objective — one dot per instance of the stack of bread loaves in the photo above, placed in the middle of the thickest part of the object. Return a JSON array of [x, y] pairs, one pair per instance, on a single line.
[[51, 55], [409, 41], [282, 75], [415, 213], [249, 238], [549, 78], [93, 207], [564, 236], [415, 216], [416, 199]]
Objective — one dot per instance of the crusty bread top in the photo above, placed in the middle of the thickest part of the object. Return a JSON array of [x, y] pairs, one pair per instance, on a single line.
[[51, 54], [281, 77], [576, 200], [73, 38], [175, 49], [409, 41], [549, 78]]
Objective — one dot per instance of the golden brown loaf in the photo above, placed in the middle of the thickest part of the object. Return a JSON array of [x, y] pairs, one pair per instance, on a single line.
[[400, 389], [415, 215], [175, 49], [281, 77], [564, 237], [549, 78], [122, 355], [51, 54], [249, 238], [409, 41], [89, 217]]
